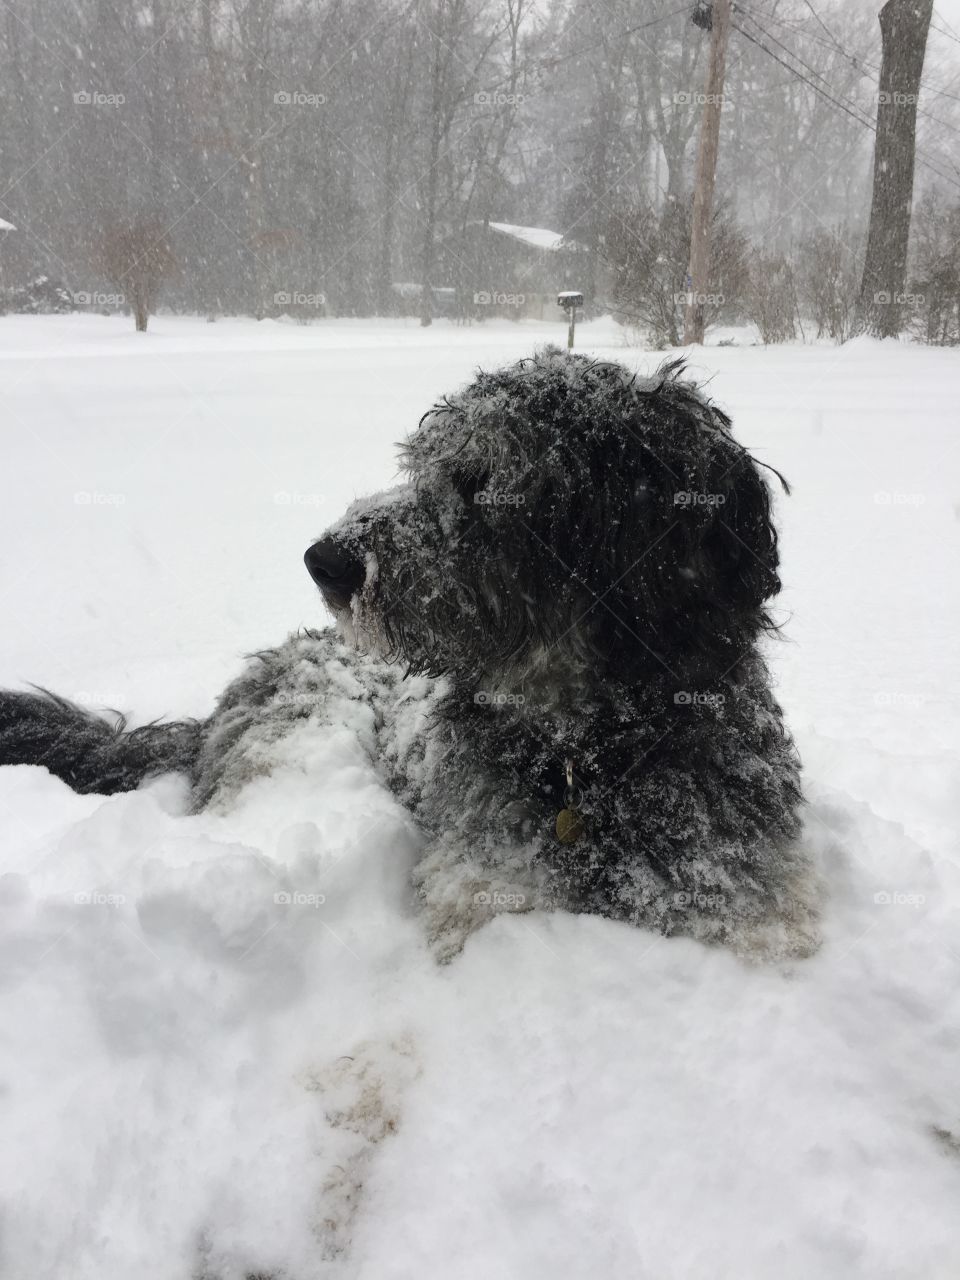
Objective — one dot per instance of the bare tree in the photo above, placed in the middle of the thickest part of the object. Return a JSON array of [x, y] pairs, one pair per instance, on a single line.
[[457, 46], [394, 127], [136, 257], [666, 69]]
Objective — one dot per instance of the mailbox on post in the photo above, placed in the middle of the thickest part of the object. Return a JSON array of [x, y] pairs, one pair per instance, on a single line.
[[570, 300]]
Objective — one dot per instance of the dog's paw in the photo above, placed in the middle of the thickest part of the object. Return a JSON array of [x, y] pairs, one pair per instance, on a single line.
[[787, 929], [360, 1097], [460, 896], [361, 1094]]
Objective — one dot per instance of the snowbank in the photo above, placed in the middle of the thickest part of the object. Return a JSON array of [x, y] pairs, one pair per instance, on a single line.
[[225, 1047]]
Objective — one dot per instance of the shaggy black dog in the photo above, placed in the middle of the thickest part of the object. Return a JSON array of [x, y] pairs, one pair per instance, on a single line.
[[555, 624]]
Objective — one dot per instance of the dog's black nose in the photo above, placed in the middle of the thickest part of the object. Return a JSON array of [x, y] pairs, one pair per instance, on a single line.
[[333, 568]]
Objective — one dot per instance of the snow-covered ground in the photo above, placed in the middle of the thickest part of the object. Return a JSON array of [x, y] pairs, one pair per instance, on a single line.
[[201, 1079]]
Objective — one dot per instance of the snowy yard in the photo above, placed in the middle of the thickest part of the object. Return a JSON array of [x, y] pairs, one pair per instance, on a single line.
[[198, 1080]]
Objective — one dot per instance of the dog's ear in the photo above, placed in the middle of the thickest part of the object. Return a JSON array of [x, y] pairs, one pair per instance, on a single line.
[[646, 526], [687, 550]]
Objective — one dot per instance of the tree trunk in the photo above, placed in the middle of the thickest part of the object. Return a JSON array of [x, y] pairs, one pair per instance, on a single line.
[[699, 282], [386, 301], [140, 312], [427, 256], [430, 212], [903, 28]]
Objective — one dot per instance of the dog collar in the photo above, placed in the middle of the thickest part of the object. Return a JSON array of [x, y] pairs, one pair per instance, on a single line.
[[570, 825]]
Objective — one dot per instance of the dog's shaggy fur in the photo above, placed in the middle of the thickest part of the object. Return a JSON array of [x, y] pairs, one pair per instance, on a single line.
[[577, 571]]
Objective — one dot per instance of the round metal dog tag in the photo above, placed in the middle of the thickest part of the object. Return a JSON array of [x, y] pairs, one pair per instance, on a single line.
[[570, 826]]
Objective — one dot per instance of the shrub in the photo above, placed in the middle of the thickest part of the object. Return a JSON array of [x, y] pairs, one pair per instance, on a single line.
[[771, 301], [136, 257], [40, 295], [828, 268], [647, 253], [935, 273]]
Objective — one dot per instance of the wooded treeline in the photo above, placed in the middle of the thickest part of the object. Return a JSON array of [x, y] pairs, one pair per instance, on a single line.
[[332, 148]]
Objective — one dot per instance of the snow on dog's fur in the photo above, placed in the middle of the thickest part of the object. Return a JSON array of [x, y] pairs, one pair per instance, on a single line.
[[560, 611]]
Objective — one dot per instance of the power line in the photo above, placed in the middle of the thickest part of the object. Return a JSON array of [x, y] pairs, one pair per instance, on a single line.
[[616, 35], [920, 110], [770, 36], [853, 113], [946, 124], [945, 29], [823, 25], [945, 23], [854, 59], [550, 61], [845, 107], [849, 108]]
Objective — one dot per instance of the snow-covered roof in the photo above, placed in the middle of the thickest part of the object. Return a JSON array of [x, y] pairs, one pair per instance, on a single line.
[[6, 226], [538, 237]]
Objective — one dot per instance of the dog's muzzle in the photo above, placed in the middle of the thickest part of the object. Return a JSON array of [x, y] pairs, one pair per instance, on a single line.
[[337, 572]]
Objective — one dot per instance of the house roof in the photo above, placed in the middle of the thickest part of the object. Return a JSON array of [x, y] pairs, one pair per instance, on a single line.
[[537, 237]]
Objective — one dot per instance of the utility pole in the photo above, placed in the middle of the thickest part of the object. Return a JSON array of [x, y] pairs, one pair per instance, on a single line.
[[698, 281], [904, 25]]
